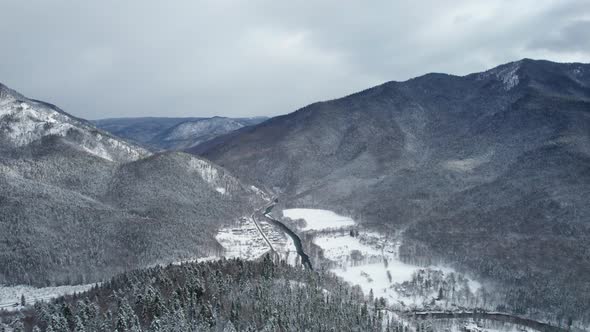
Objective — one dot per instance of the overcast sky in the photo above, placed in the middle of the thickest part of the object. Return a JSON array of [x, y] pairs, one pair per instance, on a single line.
[[98, 59]]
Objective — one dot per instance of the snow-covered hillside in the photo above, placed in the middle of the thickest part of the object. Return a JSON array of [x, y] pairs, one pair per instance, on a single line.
[[24, 121], [198, 128], [82, 205]]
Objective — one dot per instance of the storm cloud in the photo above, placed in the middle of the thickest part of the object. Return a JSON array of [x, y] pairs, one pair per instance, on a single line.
[[99, 59]]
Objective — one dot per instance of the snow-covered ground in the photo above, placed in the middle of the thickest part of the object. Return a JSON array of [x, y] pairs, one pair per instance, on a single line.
[[11, 295], [371, 260], [482, 325], [317, 219], [245, 241], [242, 240]]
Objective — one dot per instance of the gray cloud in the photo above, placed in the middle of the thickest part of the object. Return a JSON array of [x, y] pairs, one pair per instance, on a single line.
[[574, 37], [238, 58]]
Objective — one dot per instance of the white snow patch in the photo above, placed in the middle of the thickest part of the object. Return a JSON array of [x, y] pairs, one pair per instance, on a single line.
[[468, 164], [99, 152], [260, 193], [317, 219], [506, 74], [10, 296], [220, 190], [207, 171]]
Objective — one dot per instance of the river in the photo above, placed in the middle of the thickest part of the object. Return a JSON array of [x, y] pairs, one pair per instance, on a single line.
[[296, 239]]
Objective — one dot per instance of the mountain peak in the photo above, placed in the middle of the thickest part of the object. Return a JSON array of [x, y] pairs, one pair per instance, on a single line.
[[24, 121], [8, 95], [506, 73]]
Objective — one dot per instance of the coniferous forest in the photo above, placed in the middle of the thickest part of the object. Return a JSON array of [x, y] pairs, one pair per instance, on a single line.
[[225, 295]]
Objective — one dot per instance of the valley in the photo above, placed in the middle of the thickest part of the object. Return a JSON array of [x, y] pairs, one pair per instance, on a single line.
[[433, 295], [439, 203], [416, 296]]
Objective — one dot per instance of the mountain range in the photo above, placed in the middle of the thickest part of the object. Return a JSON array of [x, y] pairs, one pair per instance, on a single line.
[[173, 133], [78, 204], [488, 172]]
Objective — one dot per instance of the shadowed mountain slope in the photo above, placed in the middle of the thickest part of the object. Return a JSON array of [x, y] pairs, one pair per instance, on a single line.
[[489, 172]]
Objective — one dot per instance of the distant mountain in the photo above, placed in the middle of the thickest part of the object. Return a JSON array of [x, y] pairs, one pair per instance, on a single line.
[[489, 172], [173, 133], [78, 204]]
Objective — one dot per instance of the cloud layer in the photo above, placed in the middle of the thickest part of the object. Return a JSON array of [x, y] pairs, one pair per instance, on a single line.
[[112, 58]]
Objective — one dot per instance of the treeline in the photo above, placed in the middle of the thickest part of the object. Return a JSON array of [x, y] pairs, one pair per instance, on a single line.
[[226, 295]]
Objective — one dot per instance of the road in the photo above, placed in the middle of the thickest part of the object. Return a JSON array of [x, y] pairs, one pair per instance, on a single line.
[[253, 216], [497, 316]]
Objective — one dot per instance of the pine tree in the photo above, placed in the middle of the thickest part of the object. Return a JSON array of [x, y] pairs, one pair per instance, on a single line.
[[19, 327], [79, 325]]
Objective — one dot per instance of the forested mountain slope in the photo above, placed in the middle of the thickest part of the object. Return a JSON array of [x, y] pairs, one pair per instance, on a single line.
[[173, 133], [78, 205], [216, 296], [489, 172]]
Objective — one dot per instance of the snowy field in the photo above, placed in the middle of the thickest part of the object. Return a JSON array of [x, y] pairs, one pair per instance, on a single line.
[[318, 219], [369, 259], [482, 325], [11, 295]]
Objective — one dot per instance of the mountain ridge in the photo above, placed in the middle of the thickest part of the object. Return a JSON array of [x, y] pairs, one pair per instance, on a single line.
[[159, 134], [78, 205], [462, 165]]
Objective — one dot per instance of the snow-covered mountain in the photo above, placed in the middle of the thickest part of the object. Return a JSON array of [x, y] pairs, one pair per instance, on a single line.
[[487, 172], [173, 133], [24, 121], [78, 204]]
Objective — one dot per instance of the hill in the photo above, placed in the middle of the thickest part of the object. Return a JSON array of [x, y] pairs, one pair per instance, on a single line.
[[78, 204]]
